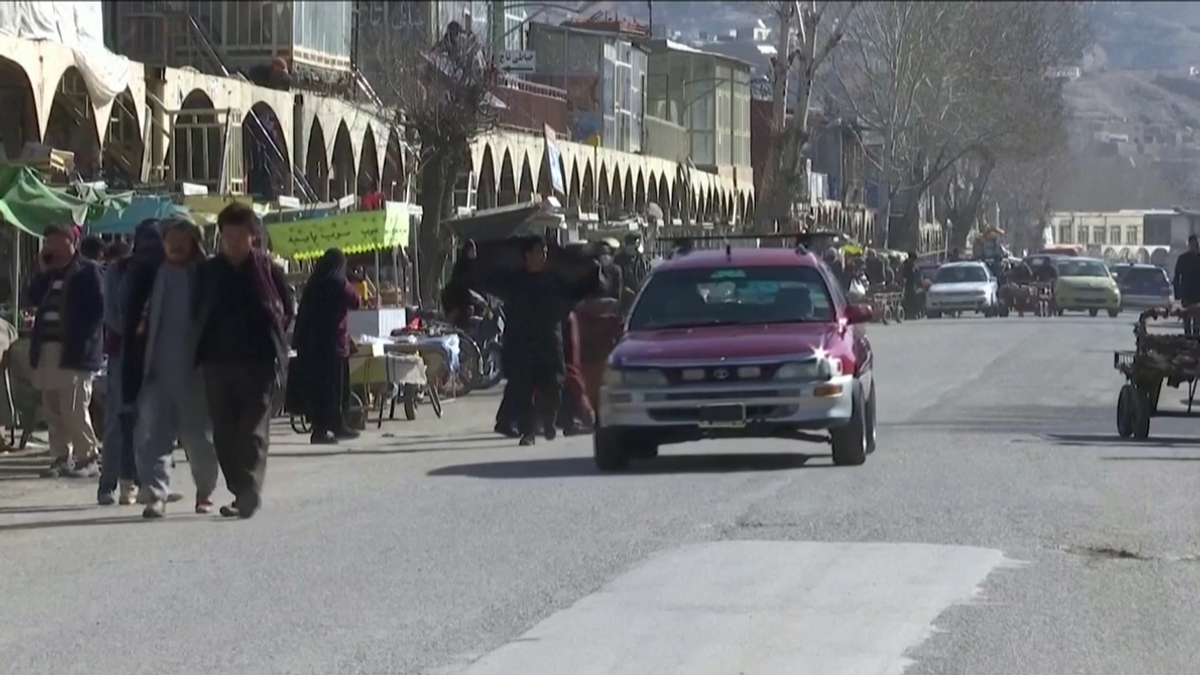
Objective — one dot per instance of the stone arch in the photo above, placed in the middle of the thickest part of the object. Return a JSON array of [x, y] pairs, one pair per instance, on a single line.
[[17, 94], [1143, 256], [1160, 257], [506, 194], [573, 186], [343, 171], [72, 123], [197, 152], [545, 182], [123, 146], [368, 164], [749, 209], [562, 168], [1110, 253], [1124, 254], [639, 192], [616, 191], [678, 195], [265, 152], [603, 189], [664, 195], [652, 189], [393, 181], [587, 190], [316, 162], [741, 208], [485, 186]]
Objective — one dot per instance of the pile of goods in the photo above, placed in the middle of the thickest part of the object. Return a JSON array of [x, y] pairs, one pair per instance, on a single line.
[[1167, 352]]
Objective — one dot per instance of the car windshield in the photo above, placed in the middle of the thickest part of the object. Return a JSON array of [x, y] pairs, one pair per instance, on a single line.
[[732, 296], [1075, 267], [960, 274], [1143, 275]]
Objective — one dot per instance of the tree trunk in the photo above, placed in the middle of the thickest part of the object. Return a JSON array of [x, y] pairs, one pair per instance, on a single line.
[[438, 176], [965, 210]]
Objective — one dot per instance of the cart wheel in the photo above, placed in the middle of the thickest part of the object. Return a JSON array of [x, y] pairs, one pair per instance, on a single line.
[[887, 316], [900, 315], [435, 402], [1093, 312], [1125, 411], [1004, 311], [355, 416], [1141, 414], [299, 424], [410, 402]]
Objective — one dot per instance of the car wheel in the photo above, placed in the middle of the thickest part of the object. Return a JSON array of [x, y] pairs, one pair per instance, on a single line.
[[850, 440], [1093, 312], [1114, 313], [609, 451], [872, 427], [1059, 312]]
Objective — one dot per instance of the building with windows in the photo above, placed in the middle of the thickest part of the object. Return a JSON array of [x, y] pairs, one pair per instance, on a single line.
[[604, 75]]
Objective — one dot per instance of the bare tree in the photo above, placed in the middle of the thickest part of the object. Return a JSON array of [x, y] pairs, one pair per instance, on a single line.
[[808, 33], [953, 86], [442, 95]]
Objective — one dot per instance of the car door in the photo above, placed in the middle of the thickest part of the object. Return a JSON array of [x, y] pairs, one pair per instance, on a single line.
[[860, 344]]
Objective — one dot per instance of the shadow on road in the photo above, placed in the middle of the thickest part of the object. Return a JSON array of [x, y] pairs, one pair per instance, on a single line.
[[405, 447], [72, 522], [570, 467], [1110, 440], [1151, 459], [11, 510]]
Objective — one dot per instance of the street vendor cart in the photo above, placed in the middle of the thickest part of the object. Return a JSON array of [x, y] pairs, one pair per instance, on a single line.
[[1158, 357]]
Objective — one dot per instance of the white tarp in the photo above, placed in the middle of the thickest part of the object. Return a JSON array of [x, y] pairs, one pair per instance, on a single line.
[[78, 25]]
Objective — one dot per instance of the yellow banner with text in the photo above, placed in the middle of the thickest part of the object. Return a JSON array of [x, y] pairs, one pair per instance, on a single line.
[[356, 232]]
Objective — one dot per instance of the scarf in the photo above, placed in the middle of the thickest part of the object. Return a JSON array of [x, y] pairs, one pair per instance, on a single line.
[[268, 292]]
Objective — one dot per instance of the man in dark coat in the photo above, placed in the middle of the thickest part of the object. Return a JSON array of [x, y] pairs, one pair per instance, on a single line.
[[67, 349], [242, 310], [534, 302], [1187, 281]]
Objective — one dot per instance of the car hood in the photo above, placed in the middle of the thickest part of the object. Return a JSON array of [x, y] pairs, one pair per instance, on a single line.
[[1090, 283], [962, 287], [713, 343]]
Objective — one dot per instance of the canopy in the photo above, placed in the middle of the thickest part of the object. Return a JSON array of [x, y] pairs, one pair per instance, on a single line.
[[141, 207], [357, 232], [498, 223], [29, 204]]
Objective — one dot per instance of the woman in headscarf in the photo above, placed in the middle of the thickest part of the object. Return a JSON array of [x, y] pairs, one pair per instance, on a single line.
[[322, 344]]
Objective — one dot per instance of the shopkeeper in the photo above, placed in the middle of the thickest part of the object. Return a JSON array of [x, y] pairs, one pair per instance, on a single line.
[[362, 284]]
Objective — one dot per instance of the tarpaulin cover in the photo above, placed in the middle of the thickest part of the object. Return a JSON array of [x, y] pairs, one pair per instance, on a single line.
[[141, 207], [80, 26], [357, 232], [29, 204]]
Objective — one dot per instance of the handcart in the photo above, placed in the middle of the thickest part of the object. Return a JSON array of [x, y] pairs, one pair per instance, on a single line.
[[1160, 357], [886, 305], [1028, 299]]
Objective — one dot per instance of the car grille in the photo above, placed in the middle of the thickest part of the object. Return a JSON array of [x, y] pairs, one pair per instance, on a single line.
[[753, 412], [719, 374]]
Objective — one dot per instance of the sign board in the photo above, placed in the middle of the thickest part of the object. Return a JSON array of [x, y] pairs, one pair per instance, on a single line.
[[513, 61], [356, 232]]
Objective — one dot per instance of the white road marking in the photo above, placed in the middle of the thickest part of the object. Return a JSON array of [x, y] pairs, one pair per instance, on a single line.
[[754, 608]]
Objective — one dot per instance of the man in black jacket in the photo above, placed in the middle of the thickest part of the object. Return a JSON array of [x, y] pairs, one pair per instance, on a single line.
[[1187, 281], [242, 309]]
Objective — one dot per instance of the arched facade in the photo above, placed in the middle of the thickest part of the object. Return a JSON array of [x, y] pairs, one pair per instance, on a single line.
[[317, 147]]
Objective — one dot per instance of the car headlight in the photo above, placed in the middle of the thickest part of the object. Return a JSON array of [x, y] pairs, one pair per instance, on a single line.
[[816, 369], [634, 378]]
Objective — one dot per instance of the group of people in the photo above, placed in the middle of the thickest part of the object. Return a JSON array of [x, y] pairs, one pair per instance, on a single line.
[[193, 348], [561, 323]]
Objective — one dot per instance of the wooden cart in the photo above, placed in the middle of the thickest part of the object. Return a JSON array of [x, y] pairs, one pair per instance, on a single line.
[[1157, 358]]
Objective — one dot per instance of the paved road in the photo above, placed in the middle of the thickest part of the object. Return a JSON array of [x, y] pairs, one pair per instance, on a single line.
[[1001, 528]]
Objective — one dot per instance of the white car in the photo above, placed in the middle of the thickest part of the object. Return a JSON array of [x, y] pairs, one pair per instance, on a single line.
[[963, 287]]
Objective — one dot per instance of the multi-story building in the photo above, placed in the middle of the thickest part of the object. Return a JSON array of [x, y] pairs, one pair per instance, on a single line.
[[604, 75]]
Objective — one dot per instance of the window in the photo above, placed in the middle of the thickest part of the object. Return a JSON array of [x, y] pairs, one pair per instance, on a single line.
[[1064, 234], [732, 296], [1098, 234], [1114, 234], [1131, 235], [961, 274], [1081, 267], [1083, 236]]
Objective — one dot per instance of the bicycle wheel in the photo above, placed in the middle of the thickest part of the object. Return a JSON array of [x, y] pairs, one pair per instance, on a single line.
[[299, 424], [435, 402]]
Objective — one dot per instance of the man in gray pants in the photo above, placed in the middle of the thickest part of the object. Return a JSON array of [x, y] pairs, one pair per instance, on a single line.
[[171, 402]]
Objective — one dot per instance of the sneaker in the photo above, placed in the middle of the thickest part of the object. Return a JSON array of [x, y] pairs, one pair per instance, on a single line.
[[324, 438], [129, 493], [61, 466], [204, 505], [154, 509], [528, 440]]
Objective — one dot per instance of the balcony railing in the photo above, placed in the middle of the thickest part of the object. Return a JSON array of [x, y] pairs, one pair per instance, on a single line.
[[531, 105], [666, 140]]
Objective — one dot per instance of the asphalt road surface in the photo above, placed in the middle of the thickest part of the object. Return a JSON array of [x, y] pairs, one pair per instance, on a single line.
[[1001, 528]]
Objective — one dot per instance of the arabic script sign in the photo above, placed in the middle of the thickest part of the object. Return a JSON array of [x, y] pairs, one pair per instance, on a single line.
[[513, 61], [352, 232]]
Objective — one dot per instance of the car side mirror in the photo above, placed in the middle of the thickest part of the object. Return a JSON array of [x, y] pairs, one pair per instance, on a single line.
[[859, 313]]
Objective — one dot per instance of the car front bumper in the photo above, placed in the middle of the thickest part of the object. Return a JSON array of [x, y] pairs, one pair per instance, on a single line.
[[1146, 301], [769, 406], [1081, 302], [957, 304]]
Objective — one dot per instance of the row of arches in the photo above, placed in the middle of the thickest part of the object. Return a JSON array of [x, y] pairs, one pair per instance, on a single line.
[[504, 168], [1160, 255]]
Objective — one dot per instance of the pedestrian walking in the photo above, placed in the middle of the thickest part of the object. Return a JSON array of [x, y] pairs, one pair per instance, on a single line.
[[118, 466], [66, 350], [600, 328], [161, 377], [1186, 282], [242, 312], [322, 343]]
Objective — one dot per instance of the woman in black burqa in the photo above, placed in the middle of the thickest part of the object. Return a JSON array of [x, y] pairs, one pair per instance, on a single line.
[[322, 344]]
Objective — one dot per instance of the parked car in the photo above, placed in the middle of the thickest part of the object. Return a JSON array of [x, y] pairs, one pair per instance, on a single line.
[[1144, 286], [739, 343]]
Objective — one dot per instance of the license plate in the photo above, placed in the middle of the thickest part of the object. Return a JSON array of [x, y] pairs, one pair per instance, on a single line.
[[730, 415]]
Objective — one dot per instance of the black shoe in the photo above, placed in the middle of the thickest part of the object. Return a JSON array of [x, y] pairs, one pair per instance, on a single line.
[[528, 440], [507, 431], [550, 433], [323, 438]]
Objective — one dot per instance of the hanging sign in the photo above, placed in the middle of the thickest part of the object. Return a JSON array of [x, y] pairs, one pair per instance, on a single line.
[[357, 232]]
